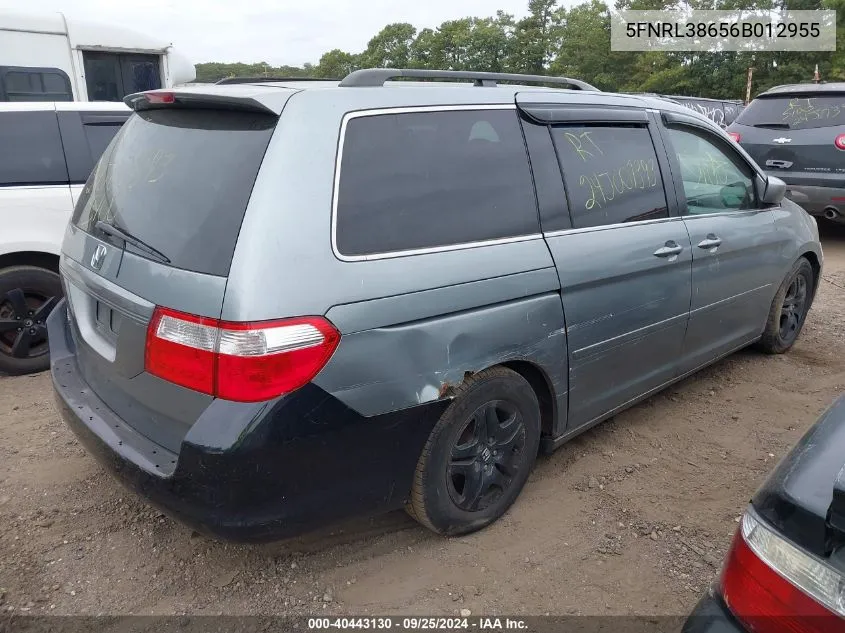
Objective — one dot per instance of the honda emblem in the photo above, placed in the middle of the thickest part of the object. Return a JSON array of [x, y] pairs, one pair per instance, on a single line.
[[98, 257]]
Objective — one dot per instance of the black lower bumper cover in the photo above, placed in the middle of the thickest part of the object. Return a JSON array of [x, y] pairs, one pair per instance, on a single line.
[[711, 615], [303, 461]]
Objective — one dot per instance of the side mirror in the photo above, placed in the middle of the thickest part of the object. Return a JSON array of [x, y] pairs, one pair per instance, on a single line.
[[772, 190]]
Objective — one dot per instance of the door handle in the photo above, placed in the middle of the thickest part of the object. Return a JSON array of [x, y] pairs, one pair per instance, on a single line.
[[710, 242], [781, 164], [671, 249]]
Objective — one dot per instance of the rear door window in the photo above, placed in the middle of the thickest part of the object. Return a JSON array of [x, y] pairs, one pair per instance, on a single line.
[[611, 173], [37, 158], [420, 180], [99, 133], [85, 136], [795, 112], [179, 180]]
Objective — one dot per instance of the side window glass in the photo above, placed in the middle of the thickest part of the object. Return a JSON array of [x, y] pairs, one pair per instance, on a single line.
[[112, 76], [714, 181], [548, 181], [38, 158], [99, 137], [611, 174], [102, 77], [57, 86], [34, 84], [140, 73], [430, 179]]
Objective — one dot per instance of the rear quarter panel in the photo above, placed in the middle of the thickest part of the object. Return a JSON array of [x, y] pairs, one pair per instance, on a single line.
[[412, 326]]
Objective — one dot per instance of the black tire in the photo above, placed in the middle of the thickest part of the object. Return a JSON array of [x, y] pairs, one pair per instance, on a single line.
[[27, 296], [445, 494], [789, 309]]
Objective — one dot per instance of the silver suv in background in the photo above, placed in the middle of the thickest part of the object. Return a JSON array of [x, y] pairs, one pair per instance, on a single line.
[[797, 133], [294, 302]]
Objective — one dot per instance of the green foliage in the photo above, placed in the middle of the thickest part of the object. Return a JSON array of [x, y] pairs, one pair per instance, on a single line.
[[390, 48], [574, 42], [336, 64], [214, 71], [536, 37]]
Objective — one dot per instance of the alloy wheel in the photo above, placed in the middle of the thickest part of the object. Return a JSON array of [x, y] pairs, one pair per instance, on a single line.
[[23, 317], [487, 456]]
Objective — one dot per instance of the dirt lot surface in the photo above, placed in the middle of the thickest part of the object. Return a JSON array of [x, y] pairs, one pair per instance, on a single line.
[[632, 517]]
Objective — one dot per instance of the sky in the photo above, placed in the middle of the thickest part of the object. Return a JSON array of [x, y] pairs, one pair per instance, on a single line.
[[278, 32]]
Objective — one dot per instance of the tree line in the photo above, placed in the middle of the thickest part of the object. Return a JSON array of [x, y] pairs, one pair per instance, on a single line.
[[573, 42]]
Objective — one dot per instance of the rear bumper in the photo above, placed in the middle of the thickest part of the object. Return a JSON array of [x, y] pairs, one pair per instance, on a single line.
[[252, 472], [711, 615], [815, 200]]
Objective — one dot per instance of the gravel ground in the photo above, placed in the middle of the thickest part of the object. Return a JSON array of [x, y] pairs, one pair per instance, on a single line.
[[632, 517]]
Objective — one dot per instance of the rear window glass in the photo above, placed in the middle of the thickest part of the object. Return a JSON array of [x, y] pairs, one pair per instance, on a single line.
[[795, 113], [611, 174], [431, 179], [36, 156], [179, 180]]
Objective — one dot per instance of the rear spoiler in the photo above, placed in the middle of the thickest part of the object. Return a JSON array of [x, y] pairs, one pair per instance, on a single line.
[[245, 99]]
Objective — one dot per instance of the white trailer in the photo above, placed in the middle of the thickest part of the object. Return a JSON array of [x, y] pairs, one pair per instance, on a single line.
[[51, 57]]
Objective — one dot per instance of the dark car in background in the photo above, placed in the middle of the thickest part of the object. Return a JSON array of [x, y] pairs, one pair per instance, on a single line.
[[785, 571], [722, 112], [797, 133]]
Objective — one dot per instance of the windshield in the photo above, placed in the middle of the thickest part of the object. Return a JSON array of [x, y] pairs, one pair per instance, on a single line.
[[795, 112], [178, 180]]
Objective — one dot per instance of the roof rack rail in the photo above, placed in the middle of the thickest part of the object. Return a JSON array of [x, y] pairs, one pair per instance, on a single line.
[[370, 77], [257, 80]]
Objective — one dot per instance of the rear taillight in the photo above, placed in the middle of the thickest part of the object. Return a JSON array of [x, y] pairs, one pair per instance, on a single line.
[[160, 97], [774, 587], [246, 362], [736, 136], [840, 141]]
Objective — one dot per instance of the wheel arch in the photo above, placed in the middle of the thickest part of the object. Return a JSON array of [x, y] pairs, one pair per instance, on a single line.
[[815, 262], [40, 259], [542, 386]]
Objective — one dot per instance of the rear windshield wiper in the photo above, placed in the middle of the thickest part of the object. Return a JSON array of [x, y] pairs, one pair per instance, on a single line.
[[128, 238], [774, 126]]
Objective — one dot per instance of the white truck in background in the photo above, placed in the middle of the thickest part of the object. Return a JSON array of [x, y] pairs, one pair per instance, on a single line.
[[52, 57], [62, 83]]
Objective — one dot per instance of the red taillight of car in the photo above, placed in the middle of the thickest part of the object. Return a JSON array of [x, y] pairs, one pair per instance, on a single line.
[[160, 97], [245, 362], [736, 136], [773, 587], [840, 141]]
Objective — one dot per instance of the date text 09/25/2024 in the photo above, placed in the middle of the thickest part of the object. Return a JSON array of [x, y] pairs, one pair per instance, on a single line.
[[417, 624]]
